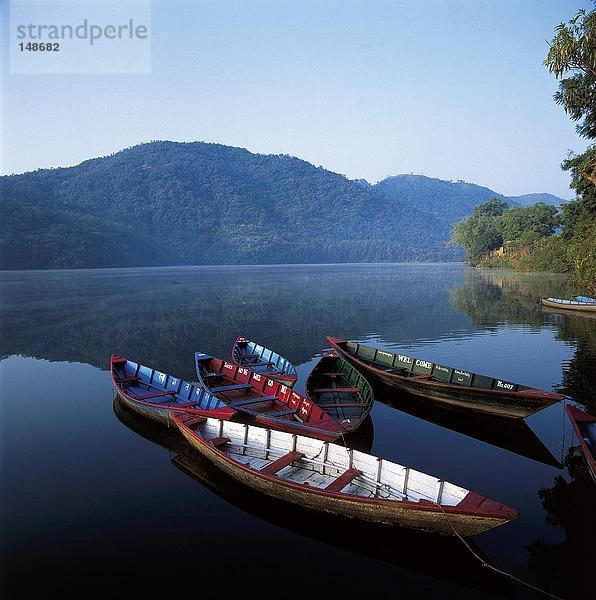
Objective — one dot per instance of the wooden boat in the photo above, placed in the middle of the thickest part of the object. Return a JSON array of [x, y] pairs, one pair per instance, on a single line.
[[266, 400], [333, 479], [264, 361], [445, 384], [584, 426], [157, 396], [340, 390], [584, 299], [569, 304]]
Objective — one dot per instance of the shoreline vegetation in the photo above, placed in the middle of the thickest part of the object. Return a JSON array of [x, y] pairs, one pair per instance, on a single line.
[[541, 237]]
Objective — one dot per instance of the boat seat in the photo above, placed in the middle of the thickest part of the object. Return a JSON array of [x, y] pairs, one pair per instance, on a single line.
[[213, 374], [250, 356], [229, 388], [189, 420], [252, 401], [280, 463], [127, 379], [219, 441], [260, 364], [155, 395], [186, 404], [351, 390], [333, 375], [281, 413], [344, 479]]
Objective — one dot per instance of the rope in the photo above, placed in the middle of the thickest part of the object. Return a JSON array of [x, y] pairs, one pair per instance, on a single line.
[[489, 566]]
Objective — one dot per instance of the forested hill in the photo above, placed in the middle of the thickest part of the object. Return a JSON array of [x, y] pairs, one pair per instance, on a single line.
[[449, 200], [168, 203]]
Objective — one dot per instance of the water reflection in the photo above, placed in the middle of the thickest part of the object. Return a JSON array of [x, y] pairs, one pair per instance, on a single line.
[[441, 557], [510, 434], [491, 298], [565, 568]]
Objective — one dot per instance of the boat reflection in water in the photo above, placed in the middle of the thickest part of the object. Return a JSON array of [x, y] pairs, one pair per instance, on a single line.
[[510, 434], [442, 557]]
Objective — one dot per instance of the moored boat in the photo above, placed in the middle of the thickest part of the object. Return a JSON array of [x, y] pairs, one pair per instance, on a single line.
[[562, 304], [445, 385], [584, 299], [264, 399], [331, 478], [340, 390], [157, 395], [255, 357], [584, 426]]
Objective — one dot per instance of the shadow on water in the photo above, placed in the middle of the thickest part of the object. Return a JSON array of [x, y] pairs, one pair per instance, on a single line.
[[566, 568], [440, 557], [510, 434]]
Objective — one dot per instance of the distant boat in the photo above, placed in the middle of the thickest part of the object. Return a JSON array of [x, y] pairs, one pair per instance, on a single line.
[[584, 299], [569, 304], [584, 426], [157, 396], [262, 360], [339, 389], [266, 400], [334, 479], [445, 384]]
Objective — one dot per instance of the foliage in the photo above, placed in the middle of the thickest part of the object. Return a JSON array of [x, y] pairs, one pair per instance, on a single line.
[[494, 224], [572, 59], [166, 203]]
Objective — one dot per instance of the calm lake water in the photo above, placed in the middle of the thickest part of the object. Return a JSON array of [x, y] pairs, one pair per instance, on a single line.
[[98, 502]]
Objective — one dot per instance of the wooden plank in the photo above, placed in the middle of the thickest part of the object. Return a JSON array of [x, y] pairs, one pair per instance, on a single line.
[[156, 395], [127, 379], [280, 413], [191, 419], [350, 390], [280, 463], [255, 400], [343, 480], [229, 388], [332, 374], [219, 441]]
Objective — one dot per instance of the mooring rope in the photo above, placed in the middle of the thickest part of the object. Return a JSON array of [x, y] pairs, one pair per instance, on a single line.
[[486, 564]]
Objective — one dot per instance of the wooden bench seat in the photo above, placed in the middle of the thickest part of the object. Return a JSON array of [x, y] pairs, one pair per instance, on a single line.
[[344, 479], [281, 413], [229, 388], [280, 463], [154, 395], [219, 441], [128, 379], [252, 401]]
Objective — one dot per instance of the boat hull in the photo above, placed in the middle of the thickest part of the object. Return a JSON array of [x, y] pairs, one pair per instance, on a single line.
[[571, 305], [425, 517], [579, 420], [515, 405]]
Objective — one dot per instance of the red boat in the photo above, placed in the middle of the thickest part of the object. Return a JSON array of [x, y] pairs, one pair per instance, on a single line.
[[445, 385], [269, 402], [584, 426]]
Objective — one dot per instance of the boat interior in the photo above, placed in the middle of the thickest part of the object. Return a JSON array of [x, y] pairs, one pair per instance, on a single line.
[[257, 395], [425, 371], [322, 465], [340, 390], [149, 385], [260, 359]]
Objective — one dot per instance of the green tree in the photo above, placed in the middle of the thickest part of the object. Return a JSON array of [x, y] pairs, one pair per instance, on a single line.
[[527, 224], [572, 59]]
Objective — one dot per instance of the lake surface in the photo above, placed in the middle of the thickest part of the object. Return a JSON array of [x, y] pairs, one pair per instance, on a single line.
[[98, 502]]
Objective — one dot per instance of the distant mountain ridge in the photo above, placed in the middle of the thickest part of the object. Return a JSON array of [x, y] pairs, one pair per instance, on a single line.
[[170, 203]]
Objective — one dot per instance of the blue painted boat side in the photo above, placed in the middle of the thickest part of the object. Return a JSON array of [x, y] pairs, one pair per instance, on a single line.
[[247, 353]]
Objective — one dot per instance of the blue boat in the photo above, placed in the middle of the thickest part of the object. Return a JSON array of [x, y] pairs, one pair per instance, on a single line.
[[257, 358], [157, 395]]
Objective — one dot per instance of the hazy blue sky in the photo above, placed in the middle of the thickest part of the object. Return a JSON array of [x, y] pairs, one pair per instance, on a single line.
[[371, 88]]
